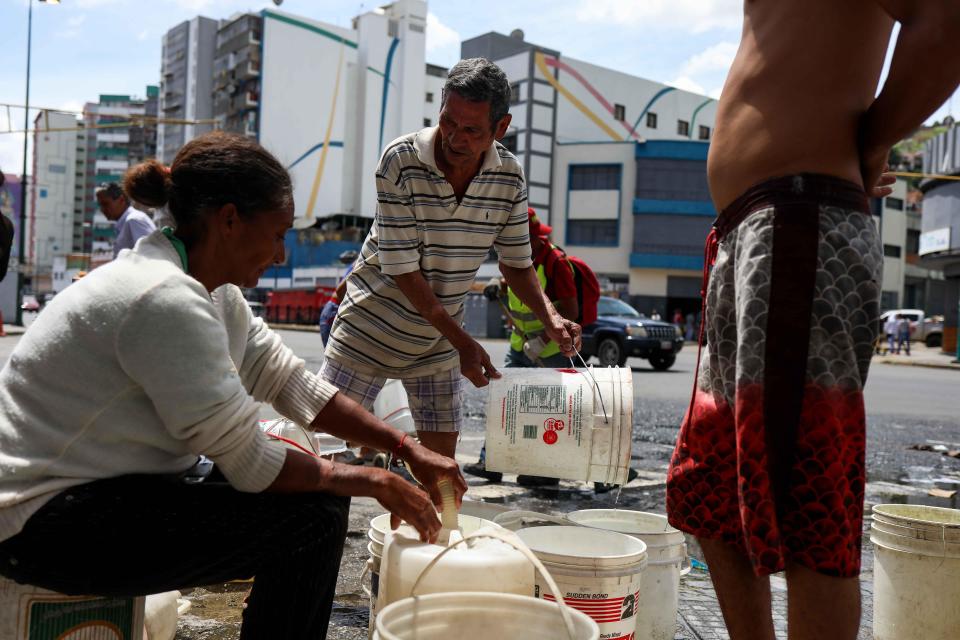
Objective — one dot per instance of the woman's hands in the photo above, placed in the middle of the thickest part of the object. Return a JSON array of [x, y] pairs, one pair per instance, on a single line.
[[429, 468]]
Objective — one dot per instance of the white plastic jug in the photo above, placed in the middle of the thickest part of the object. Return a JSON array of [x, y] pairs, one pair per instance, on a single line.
[[597, 572], [377, 534], [393, 407], [434, 622], [484, 565], [916, 572], [479, 616], [666, 561], [558, 423]]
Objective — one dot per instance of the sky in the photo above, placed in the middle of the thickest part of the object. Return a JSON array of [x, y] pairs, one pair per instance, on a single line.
[[82, 48]]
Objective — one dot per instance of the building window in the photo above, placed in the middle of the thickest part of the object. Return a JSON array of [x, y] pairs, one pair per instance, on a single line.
[[894, 203], [619, 112], [683, 128], [427, 122], [651, 121], [704, 133], [891, 251], [429, 96], [913, 242], [593, 232], [514, 93], [594, 177]]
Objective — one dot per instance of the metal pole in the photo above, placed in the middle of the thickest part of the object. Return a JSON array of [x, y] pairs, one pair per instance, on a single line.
[[23, 176]]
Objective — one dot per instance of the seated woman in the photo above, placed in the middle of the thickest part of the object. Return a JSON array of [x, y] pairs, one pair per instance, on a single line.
[[132, 373]]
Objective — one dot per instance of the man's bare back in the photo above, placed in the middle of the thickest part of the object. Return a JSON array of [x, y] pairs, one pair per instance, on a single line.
[[805, 73]]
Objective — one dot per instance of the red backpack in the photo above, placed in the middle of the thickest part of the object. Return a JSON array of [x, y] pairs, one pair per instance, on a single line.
[[588, 288]]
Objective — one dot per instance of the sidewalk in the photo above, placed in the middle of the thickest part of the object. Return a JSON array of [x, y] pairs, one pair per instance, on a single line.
[[921, 356]]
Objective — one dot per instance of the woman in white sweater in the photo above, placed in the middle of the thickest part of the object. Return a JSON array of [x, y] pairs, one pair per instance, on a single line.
[[132, 373]]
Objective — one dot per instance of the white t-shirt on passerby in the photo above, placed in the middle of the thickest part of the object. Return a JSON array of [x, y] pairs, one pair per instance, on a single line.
[[890, 326], [132, 225]]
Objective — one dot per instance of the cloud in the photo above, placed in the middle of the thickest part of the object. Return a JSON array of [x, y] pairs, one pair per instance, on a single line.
[[143, 35], [687, 84], [76, 21], [717, 57], [442, 41], [695, 16]]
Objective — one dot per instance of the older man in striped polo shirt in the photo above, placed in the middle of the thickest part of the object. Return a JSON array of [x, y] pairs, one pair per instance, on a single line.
[[445, 195]]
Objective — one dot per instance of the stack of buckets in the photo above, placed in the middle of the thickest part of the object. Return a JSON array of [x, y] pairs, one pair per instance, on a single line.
[[569, 551], [482, 589]]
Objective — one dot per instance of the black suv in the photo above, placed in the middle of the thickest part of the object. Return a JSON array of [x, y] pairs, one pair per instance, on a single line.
[[621, 331]]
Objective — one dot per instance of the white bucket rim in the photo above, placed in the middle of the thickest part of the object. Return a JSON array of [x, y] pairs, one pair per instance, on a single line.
[[479, 599], [576, 516], [637, 556], [890, 511]]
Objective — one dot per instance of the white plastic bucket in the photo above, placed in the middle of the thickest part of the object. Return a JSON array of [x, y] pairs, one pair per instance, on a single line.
[[479, 616], [598, 572], [393, 406], [377, 534], [666, 562], [558, 423], [916, 573]]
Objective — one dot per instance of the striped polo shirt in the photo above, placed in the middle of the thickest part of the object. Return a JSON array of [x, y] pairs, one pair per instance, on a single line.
[[420, 226]]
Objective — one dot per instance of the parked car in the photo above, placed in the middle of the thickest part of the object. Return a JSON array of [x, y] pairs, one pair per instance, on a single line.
[[928, 330], [621, 332]]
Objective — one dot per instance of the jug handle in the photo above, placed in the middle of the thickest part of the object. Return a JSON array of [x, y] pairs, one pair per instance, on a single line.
[[511, 539]]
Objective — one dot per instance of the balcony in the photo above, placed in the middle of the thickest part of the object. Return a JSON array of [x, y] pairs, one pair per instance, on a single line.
[[251, 99]]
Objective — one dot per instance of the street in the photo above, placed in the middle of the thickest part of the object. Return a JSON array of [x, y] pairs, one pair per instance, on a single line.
[[906, 406]]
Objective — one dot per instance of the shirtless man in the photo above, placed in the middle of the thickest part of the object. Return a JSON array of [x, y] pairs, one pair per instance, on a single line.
[[768, 470]]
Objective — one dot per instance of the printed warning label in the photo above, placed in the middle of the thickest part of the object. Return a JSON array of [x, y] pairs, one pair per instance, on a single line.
[[542, 398]]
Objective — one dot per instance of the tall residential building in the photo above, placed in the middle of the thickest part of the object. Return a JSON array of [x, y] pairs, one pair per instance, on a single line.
[[186, 83], [236, 74], [617, 165], [115, 139], [143, 139], [890, 215], [51, 198]]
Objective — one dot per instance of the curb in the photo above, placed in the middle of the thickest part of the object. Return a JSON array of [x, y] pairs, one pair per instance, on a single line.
[[917, 363]]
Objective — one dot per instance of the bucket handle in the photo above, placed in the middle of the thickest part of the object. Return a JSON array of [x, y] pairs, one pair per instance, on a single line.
[[363, 574], [687, 565], [515, 542], [531, 516]]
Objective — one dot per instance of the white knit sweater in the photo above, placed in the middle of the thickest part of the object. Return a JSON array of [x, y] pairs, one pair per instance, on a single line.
[[137, 369]]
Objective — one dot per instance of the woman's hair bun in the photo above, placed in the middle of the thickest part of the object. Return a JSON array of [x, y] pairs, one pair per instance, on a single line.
[[148, 183]]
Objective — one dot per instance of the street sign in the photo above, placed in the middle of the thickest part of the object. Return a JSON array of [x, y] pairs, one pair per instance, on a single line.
[[935, 241]]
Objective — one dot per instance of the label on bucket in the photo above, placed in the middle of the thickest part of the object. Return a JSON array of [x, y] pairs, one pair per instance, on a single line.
[[550, 422], [614, 610]]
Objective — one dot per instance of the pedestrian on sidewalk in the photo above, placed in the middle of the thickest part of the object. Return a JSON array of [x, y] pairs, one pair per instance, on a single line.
[[768, 470], [6, 243], [131, 377], [132, 224], [903, 334], [890, 329], [446, 195]]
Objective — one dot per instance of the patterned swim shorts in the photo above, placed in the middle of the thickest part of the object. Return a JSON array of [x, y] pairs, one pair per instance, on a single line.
[[435, 400], [770, 456]]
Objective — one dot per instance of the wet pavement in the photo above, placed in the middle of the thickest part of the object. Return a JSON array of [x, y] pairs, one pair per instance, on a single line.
[[897, 474]]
